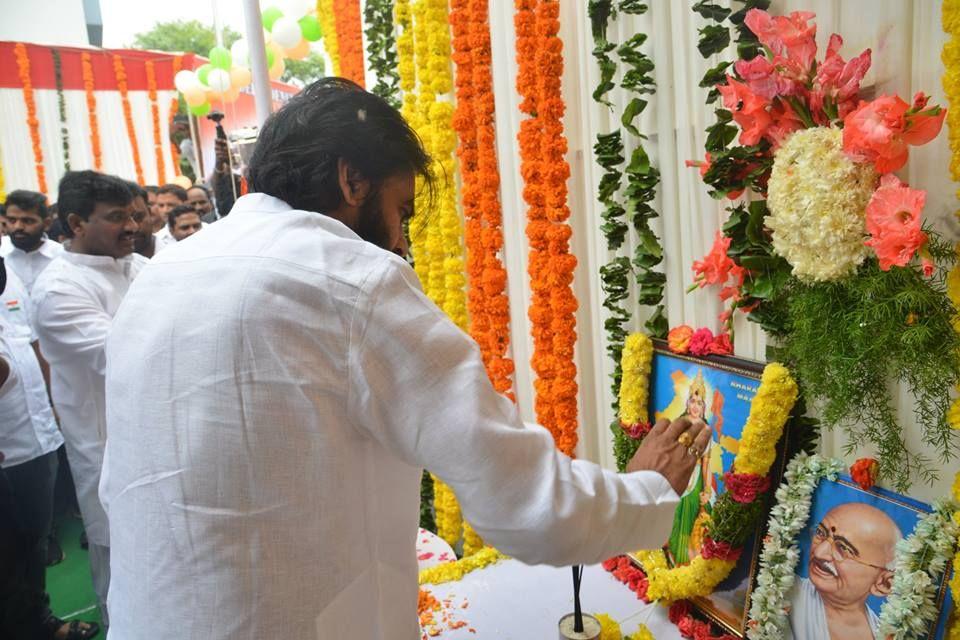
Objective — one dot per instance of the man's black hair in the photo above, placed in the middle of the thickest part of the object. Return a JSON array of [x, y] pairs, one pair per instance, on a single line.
[[151, 188], [175, 189], [203, 188], [31, 201], [297, 152], [80, 191], [176, 212], [136, 190]]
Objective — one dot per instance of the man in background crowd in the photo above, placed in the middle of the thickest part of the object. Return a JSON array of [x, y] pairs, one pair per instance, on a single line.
[[184, 222], [169, 197], [145, 243], [158, 220], [198, 197], [75, 299], [28, 251]]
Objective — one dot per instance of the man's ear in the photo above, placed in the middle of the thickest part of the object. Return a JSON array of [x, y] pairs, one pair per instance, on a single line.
[[883, 585], [47, 222], [354, 187], [76, 223]]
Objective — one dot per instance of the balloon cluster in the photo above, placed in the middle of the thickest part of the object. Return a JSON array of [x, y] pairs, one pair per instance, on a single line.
[[288, 31]]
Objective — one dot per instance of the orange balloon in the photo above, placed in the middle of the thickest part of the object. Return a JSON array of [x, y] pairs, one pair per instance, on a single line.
[[231, 95], [195, 96], [300, 51], [276, 71], [240, 77]]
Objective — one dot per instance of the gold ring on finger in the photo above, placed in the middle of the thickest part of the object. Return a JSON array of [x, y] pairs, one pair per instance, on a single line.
[[694, 451], [685, 439]]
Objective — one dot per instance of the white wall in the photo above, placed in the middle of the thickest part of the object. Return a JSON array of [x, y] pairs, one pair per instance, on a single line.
[[56, 22]]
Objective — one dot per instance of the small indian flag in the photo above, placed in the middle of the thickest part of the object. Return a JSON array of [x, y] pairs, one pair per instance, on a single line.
[[13, 305]]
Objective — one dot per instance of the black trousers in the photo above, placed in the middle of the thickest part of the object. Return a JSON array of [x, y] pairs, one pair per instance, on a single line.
[[26, 516]]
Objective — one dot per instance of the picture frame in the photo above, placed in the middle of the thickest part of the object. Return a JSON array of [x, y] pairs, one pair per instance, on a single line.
[[723, 387]]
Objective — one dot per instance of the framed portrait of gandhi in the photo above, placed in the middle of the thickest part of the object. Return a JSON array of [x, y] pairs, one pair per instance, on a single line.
[[718, 390]]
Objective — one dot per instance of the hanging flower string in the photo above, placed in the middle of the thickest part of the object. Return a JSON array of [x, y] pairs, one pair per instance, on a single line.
[[346, 15], [62, 108], [382, 49], [121, 74], [3, 186], [174, 109], [23, 68], [328, 24], [545, 171], [155, 112], [86, 65]]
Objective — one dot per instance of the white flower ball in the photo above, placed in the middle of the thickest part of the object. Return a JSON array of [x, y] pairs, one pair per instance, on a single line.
[[817, 198]]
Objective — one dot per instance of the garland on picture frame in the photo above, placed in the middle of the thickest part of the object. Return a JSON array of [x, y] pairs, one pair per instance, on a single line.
[[920, 559], [737, 510], [61, 108], [382, 50], [852, 309]]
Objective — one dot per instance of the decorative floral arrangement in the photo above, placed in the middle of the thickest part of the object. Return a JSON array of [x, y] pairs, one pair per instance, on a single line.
[[3, 187], [951, 87], [174, 109], [545, 171], [610, 629], [155, 113], [920, 559], [346, 16], [61, 108], [382, 49], [831, 255], [637, 197], [700, 342], [453, 571], [86, 65], [121, 74], [738, 508], [954, 633], [326, 15], [864, 472], [23, 69], [689, 627]]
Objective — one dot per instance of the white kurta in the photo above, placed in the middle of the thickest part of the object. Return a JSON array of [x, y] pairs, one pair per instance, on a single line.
[[808, 617], [15, 307], [29, 265], [274, 386], [74, 301]]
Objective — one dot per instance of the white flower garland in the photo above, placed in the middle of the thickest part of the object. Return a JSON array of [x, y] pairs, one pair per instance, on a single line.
[[920, 559], [920, 562], [768, 603]]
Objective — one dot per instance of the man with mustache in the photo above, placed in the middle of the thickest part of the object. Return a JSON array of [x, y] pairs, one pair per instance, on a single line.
[[28, 251], [74, 302], [144, 243], [851, 558]]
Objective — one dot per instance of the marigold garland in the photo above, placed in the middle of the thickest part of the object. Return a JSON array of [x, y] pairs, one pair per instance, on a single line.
[[61, 108], [346, 17], [23, 68], [545, 171], [155, 112], [121, 74], [174, 109], [328, 25], [636, 361], [452, 571], [86, 65], [3, 188]]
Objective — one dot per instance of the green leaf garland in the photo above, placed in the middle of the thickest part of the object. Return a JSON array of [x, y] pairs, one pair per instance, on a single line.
[[62, 107], [382, 50]]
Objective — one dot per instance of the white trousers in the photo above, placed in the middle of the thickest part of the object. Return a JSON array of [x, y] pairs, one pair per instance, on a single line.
[[100, 571]]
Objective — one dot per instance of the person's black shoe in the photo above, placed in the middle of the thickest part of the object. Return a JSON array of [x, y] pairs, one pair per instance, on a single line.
[[55, 554], [83, 541]]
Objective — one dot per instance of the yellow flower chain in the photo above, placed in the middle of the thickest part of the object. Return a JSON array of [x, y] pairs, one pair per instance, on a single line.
[[636, 361], [3, 190], [329, 26], [769, 413], [950, 55], [609, 628], [453, 571]]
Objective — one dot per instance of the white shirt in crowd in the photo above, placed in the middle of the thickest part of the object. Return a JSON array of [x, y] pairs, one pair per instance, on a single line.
[[74, 301], [29, 264], [808, 617], [15, 307], [266, 440], [28, 428], [163, 239]]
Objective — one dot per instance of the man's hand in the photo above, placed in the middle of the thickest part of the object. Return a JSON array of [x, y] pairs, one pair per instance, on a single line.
[[662, 452], [221, 151]]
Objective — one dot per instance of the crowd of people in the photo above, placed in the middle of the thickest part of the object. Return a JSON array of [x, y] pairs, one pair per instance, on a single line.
[[65, 267]]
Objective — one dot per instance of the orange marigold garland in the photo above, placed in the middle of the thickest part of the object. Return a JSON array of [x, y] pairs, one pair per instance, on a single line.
[[23, 67], [155, 112], [121, 74], [346, 15], [86, 64], [174, 109], [545, 171]]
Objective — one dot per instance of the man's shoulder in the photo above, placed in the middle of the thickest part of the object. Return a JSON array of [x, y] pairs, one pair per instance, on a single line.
[[61, 274], [51, 248], [6, 246]]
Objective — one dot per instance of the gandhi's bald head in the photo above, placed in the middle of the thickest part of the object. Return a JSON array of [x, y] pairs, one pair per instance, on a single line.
[[852, 552]]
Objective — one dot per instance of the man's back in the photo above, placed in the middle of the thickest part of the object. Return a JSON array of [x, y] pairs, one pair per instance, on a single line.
[[241, 498]]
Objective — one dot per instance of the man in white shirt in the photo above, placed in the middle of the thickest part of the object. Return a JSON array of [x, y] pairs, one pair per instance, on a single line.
[[74, 301], [299, 398], [184, 221], [145, 243], [169, 197], [28, 251], [851, 558]]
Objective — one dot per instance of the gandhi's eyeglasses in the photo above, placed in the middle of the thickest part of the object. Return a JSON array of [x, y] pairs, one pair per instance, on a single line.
[[842, 549]]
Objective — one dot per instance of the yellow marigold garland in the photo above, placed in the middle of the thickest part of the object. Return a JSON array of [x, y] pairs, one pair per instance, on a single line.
[[329, 26], [452, 571], [769, 413], [637, 359], [3, 189]]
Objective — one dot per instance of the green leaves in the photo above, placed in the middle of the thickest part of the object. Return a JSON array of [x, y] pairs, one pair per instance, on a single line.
[[382, 50], [711, 11], [713, 39]]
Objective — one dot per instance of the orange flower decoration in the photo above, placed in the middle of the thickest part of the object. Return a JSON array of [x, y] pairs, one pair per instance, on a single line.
[[23, 68], [121, 73], [86, 64], [350, 39], [155, 112], [879, 131], [716, 266], [864, 472], [174, 109], [678, 340], [543, 165], [893, 221]]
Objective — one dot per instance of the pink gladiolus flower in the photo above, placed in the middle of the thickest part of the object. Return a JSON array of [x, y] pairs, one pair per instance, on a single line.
[[785, 122], [763, 78], [893, 222], [837, 81], [749, 110], [790, 38], [879, 131], [716, 266]]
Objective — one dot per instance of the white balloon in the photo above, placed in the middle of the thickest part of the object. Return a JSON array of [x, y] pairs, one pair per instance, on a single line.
[[240, 53], [286, 32], [218, 80], [185, 80], [296, 9]]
